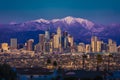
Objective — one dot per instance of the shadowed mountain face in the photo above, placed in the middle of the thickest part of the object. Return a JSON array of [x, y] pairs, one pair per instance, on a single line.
[[80, 29]]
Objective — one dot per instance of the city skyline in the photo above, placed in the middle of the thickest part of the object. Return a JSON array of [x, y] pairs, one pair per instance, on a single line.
[[80, 26], [59, 39], [100, 11], [61, 42], [58, 51]]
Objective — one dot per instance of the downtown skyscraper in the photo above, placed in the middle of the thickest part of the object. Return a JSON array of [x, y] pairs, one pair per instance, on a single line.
[[13, 43]]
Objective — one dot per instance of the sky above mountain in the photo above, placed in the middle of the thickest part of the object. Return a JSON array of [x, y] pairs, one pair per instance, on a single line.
[[98, 11]]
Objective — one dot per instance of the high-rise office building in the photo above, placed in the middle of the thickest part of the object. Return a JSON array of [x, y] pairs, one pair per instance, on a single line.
[[59, 42], [70, 40], [30, 45], [94, 43], [88, 48], [13, 43], [4, 46], [41, 38], [118, 49], [104, 47], [47, 36], [65, 40], [51, 45], [52, 41], [41, 41], [37, 47], [81, 47], [112, 46], [56, 41], [110, 41], [59, 35], [99, 43], [48, 47]]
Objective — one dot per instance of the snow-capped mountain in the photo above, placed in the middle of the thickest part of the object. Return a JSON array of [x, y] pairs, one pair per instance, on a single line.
[[84, 22], [65, 24], [41, 21], [68, 20], [81, 29]]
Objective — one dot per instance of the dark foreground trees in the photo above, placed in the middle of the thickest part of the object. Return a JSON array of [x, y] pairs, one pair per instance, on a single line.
[[7, 73]]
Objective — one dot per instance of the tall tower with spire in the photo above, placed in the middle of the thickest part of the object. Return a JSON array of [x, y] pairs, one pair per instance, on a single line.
[[59, 34], [59, 38], [47, 35]]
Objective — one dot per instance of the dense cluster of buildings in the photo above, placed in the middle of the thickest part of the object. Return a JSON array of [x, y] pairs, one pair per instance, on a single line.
[[99, 46], [61, 42]]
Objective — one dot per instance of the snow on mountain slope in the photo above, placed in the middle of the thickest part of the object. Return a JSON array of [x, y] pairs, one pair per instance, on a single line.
[[81, 29], [41, 21], [68, 20]]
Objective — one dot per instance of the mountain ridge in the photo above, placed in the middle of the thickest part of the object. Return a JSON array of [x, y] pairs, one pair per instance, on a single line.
[[69, 20], [81, 29]]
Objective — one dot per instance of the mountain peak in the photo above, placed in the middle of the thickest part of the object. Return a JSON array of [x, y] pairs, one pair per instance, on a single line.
[[41, 20], [68, 19], [84, 22]]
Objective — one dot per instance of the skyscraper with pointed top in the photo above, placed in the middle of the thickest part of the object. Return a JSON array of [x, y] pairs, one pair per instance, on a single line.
[[59, 34], [47, 35], [57, 40]]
